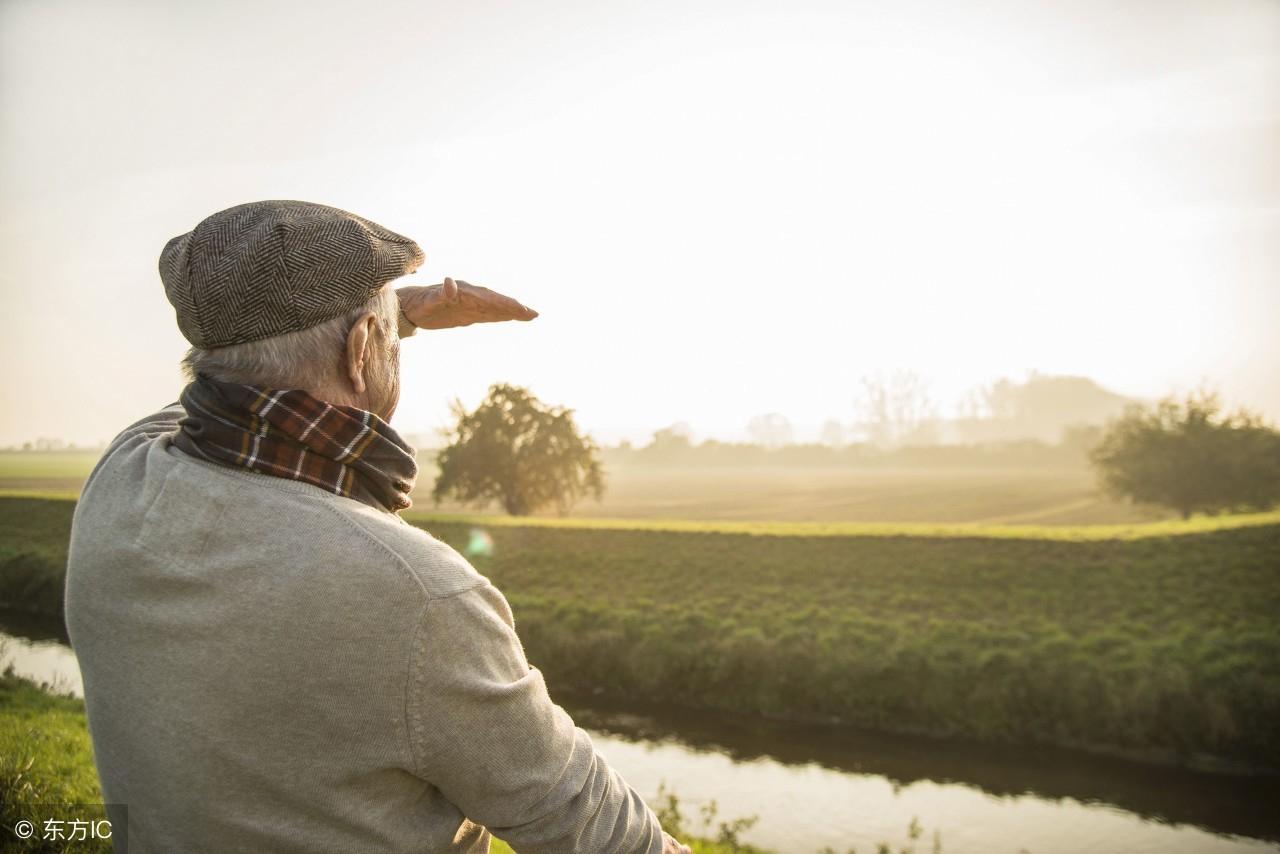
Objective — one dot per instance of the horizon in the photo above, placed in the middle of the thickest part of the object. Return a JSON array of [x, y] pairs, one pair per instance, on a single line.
[[857, 431]]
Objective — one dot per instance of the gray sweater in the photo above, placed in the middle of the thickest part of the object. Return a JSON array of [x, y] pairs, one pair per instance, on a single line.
[[269, 667]]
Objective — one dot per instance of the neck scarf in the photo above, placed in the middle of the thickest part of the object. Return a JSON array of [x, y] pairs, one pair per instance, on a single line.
[[288, 433]]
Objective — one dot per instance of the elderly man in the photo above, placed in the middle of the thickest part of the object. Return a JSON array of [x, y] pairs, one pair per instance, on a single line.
[[273, 659]]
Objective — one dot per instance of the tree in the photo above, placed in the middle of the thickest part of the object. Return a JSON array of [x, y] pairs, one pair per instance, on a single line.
[[669, 445], [520, 452], [896, 410], [1191, 457], [678, 437], [1044, 405], [833, 435], [771, 430]]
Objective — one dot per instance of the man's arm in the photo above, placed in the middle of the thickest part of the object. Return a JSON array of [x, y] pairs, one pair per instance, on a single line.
[[406, 325], [484, 731], [455, 303]]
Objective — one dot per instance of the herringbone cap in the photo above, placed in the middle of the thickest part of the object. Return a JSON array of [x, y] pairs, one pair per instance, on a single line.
[[267, 268]]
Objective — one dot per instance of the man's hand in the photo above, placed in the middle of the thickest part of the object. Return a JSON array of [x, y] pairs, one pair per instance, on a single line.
[[457, 303], [671, 846]]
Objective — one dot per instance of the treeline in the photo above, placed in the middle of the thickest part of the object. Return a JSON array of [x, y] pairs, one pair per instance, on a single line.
[[676, 450], [52, 446]]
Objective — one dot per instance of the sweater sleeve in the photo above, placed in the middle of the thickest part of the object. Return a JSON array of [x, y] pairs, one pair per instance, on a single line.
[[404, 326], [484, 731]]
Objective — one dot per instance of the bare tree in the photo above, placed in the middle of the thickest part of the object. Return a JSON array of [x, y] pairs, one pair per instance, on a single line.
[[833, 434], [896, 409], [771, 430]]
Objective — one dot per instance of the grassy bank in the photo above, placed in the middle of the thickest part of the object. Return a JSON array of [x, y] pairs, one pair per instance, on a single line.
[[1163, 647], [45, 760], [34, 533], [1160, 642]]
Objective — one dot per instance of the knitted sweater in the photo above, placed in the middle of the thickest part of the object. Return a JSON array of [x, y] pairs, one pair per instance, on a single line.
[[271, 667]]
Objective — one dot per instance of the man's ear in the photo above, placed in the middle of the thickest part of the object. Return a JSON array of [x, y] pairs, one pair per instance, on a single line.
[[359, 339]]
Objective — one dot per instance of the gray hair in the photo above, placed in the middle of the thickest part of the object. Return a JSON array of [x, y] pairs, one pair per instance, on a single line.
[[309, 358]]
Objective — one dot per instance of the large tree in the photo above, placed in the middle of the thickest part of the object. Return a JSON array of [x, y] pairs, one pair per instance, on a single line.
[[1192, 457], [518, 451]]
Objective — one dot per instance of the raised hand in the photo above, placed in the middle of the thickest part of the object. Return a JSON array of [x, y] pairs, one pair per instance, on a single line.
[[670, 845], [458, 303]]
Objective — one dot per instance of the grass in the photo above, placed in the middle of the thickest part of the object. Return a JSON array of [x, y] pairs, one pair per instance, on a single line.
[[1159, 642], [43, 465], [1163, 646], [45, 761], [1056, 533], [34, 534], [57, 472]]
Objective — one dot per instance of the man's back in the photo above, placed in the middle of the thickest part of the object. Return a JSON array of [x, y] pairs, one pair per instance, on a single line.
[[271, 667]]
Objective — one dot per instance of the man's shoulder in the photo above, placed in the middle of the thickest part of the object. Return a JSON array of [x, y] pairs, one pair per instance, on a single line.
[[140, 462], [162, 421], [435, 565], [151, 427]]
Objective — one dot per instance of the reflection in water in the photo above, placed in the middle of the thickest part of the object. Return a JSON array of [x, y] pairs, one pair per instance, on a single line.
[[803, 808], [814, 786], [1221, 803]]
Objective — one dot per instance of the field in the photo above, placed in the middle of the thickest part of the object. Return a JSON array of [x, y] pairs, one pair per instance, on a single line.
[[61, 472], [872, 494], [1157, 641], [989, 496], [1162, 646]]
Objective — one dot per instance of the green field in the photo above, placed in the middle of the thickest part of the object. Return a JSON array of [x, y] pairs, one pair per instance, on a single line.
[[1160, 642], [53, 472], [988, 496], [1162, 646]]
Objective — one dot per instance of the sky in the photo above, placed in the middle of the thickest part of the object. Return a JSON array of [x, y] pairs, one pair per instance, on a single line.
[[720, 208]]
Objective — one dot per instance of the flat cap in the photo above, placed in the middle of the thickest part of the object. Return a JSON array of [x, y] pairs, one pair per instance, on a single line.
[[267, 268]]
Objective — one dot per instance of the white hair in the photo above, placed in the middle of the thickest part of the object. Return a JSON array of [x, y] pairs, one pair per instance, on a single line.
[[309, 359]]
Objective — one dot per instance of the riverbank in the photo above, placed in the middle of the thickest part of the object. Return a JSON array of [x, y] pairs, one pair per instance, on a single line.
[[1163, 648], [1160, 645], [45, 758]]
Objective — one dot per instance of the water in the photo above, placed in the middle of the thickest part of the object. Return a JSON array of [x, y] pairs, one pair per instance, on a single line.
[[818, 786], [821, 786]]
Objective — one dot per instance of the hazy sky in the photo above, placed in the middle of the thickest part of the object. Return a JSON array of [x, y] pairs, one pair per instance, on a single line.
[[720, 208]]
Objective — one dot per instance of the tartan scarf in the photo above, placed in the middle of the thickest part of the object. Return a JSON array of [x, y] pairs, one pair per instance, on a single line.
[[288, 433]]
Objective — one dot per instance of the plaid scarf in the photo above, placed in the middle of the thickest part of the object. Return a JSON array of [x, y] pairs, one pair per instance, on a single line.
[[288, 433]]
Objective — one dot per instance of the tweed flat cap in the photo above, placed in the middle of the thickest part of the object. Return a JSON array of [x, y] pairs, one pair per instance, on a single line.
[[267, 268]]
